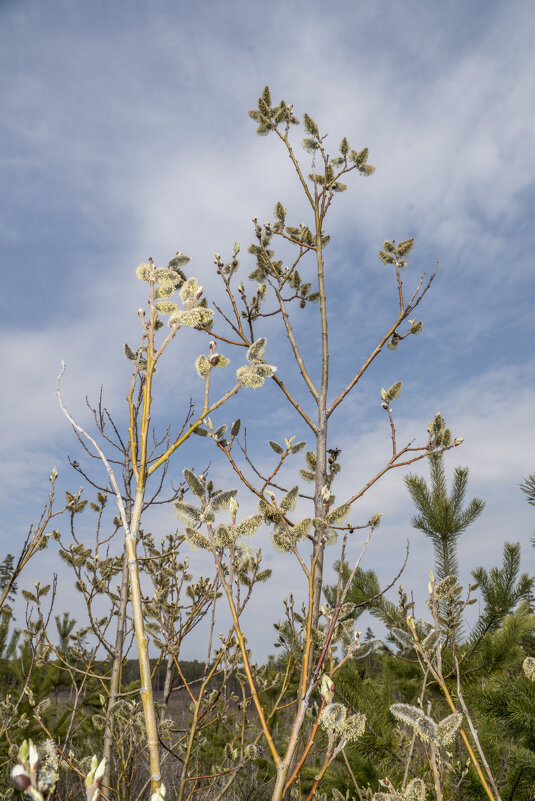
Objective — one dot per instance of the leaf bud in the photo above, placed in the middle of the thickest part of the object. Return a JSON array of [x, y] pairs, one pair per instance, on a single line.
[[20, 778], [95, 774], [99, 773], [33, 755], [386, 783], [325, 610], [375, 519], [327, 688], [233, 506]]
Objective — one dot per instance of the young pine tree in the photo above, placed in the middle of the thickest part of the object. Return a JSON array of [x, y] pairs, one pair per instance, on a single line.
[[442, 516]]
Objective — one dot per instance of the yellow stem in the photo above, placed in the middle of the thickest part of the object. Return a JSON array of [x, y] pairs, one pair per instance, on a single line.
[[246, 666], [469, 748], [199, 421]]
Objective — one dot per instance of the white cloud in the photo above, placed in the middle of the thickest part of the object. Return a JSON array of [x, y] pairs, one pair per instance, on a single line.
[[154, 139]]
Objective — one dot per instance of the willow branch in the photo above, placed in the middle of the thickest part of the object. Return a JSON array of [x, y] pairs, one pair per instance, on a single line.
[[393, 463], [295, 404], [199, 421], [411, 306], [297, 354]]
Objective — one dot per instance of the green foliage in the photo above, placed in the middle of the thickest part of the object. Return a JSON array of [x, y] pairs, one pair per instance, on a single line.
[[365, 593], [7, 567], [490, 659], [528, 488], [441, 516], [64, 626]]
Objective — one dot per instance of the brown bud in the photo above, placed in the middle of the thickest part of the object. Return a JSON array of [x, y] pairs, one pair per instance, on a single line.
[[20, 778], [214, 359]]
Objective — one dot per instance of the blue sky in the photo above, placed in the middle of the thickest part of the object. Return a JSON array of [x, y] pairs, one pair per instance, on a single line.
[[125, 134]]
